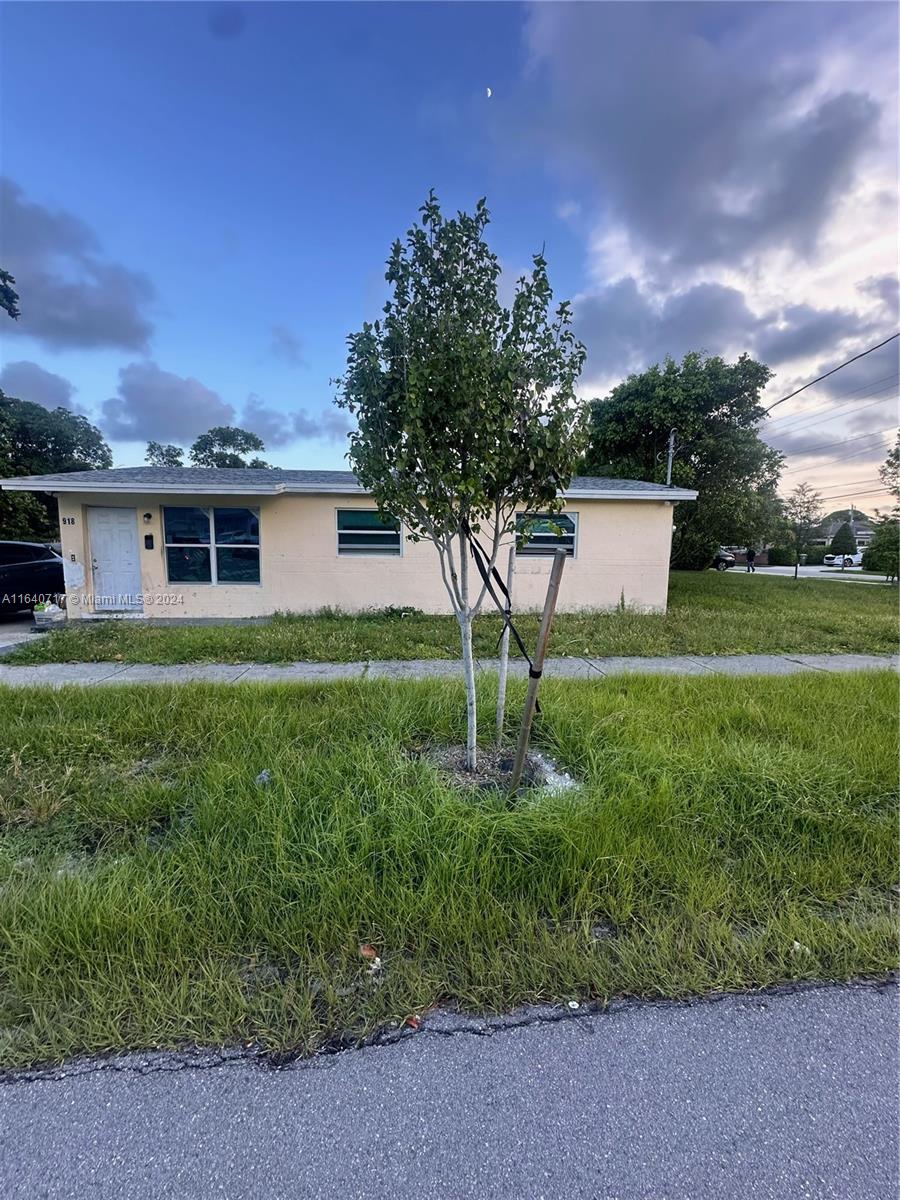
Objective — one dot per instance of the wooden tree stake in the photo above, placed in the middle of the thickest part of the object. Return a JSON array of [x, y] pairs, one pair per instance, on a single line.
[[559, 561], [504, 649]]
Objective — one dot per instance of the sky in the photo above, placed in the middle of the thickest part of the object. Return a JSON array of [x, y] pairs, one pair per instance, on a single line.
[[197, 201]]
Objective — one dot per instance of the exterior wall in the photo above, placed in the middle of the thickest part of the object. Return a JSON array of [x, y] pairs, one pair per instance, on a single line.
[[622, 554]]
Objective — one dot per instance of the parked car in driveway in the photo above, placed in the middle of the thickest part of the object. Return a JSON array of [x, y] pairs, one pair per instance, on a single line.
[[723, 559], [845, 560], [30, 573]]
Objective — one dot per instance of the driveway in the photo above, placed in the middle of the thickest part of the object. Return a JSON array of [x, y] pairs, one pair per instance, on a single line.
[[779, 1095], [851, 576], [15, 628]]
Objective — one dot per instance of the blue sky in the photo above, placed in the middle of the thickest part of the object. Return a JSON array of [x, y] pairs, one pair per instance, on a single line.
[[199, 198]]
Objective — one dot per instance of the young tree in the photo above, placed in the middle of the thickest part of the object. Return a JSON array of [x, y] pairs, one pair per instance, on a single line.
[[159, 455], [715, 409], [225, 446], [465, 409], [803, 509], [843, 541]]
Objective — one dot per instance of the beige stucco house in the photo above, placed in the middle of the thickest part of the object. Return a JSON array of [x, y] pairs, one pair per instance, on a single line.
[[195, 542]]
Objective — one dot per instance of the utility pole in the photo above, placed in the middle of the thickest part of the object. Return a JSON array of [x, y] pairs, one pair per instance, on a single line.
[[671, 455]]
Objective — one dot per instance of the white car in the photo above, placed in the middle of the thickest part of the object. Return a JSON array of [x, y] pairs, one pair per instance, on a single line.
[[845, 560]]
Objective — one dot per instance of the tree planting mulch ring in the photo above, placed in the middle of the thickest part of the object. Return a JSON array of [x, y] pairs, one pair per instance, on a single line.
[[494, 769]]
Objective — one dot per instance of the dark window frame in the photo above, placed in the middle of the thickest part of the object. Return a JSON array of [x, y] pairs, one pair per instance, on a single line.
[[213, 546], [545, 545], [356, 546]]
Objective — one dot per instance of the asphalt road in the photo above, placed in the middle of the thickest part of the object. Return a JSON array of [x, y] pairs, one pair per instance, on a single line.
[[818, 572], [785, 1095]]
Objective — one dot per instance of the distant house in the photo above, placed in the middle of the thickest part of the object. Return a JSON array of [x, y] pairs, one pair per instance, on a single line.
[[197, 542], [861, 525]]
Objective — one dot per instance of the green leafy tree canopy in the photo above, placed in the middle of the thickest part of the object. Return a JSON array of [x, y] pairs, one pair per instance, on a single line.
[[9, 297], [465, 409], [226, 446], [715, 409], [882, 555], [160, 455], [843, 541], [803, 510], [38, 441], [889, 471]]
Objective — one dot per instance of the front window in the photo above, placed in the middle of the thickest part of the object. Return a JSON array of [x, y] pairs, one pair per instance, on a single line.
[[211, 545], [545, 533], [366, 531]]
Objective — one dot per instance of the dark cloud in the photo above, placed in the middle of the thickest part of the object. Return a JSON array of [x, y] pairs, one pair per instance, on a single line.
[[71, 295], [277, 428], [331, 424], [627, 329], [800, 331], [226, 20], [158, 405], [886, 290], [274, 427], [287, 346], [27, 381], [878, 370], [153, 404], [703, 143]]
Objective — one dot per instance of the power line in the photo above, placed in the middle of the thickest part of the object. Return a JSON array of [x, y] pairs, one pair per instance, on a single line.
[[829, 412], [832, 461], [840, 367], [837, 400], [835, 488], [853, 482], [853, 495], [841, 442]]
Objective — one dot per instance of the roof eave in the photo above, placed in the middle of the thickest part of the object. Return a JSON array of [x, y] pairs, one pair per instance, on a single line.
[[137, 488], [619, 494]]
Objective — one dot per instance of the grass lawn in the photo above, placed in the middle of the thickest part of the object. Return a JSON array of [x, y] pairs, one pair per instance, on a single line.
[[708, 614], [729, 833]]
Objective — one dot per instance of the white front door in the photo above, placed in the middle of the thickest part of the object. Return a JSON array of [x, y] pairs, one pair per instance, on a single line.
[[115, 558]]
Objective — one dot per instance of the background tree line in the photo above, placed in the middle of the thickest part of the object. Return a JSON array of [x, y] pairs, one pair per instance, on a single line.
[[713, 406]]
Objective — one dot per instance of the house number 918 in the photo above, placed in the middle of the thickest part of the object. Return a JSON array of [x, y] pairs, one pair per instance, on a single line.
[[68, 520]]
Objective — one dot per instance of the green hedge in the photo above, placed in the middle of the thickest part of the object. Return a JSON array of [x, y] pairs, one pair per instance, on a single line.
[[815, 555], [782, 556]]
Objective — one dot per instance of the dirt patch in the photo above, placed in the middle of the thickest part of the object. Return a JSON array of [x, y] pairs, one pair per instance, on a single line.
[[494, 769]]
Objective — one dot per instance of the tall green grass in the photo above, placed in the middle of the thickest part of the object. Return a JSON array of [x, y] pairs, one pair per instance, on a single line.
[[728, 833], [708, 614]]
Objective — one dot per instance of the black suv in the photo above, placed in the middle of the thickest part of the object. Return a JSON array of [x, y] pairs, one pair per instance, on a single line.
[[30, 573], [723, 559]]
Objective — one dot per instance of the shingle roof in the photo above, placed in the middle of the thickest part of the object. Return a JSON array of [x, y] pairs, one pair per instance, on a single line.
[[263, 481]]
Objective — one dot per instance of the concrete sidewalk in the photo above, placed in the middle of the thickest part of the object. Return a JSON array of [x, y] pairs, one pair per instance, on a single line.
[[88, 674]]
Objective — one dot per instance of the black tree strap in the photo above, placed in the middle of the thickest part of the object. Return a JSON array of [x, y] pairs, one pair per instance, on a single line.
[[491, 576]]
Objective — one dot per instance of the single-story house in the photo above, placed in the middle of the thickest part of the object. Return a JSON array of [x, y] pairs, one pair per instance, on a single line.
[[197, 542]]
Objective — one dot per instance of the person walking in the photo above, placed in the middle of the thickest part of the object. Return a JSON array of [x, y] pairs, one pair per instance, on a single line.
[[751, 559]]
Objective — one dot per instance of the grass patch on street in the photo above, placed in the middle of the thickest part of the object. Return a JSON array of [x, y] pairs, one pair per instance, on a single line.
[[729, 833], [708, 614]]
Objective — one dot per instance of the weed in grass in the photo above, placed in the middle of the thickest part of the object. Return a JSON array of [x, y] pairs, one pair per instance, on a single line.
[[720, 822]]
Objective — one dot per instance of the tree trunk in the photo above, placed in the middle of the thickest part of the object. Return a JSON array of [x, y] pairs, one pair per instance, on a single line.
[[465, 628], [465, 624]]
